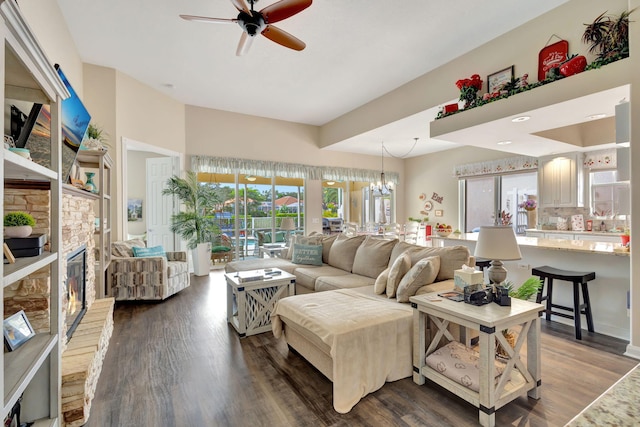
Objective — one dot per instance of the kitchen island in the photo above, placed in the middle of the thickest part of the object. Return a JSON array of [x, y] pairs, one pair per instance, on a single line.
[[608, 292]]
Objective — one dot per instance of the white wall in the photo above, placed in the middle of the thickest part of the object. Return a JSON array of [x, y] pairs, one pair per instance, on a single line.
[[433, 173], [224, 134], [520, 47]]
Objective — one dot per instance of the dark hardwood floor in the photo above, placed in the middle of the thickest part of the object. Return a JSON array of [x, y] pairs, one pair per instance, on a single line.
[[178, 363]]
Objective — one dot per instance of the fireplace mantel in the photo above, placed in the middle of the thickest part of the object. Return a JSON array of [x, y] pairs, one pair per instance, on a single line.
[[74, 191]]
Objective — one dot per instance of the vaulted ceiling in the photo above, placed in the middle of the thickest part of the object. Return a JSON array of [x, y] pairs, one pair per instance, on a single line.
[[357, 50]]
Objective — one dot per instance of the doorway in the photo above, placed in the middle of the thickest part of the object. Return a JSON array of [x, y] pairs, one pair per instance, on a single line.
[[142, 192]]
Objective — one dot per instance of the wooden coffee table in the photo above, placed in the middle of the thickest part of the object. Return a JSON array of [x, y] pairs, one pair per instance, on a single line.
[[250, 303], [489, 320]]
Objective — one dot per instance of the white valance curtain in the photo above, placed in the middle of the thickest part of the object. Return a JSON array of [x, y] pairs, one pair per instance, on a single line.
[[496, 167], [287, 170], [601, 159]]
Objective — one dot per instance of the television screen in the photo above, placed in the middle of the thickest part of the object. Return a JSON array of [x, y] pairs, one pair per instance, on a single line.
[[74, 120]]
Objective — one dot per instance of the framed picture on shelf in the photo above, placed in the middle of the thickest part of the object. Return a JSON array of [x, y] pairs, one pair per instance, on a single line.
[[17, 330], [496, 80]]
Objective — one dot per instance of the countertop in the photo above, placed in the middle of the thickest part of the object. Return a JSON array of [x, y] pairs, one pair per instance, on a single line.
[[590, 233], [585, 246], [617, 406]]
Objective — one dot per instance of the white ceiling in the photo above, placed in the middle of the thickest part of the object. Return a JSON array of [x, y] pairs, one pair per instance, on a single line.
[[357, 50]]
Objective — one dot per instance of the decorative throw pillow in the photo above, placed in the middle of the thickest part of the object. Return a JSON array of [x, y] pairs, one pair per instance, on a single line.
[[423, 273], [398, 269], [381, 282], [303, 240], [307, 254], [125, 249], [149, 252]]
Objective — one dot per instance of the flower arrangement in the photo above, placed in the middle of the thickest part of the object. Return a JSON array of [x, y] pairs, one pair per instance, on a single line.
[[529, 205], [469, 89]]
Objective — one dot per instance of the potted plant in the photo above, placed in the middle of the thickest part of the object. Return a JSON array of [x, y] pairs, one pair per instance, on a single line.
[[625, 236], [96, 138], [18, 224], [608, 37], [528, 289], [194, 223]]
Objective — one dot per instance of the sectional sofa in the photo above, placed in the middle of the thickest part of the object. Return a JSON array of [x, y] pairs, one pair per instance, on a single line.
[[346, 318]]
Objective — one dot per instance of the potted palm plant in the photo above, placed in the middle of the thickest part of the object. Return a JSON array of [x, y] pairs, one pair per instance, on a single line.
[[194, 223]]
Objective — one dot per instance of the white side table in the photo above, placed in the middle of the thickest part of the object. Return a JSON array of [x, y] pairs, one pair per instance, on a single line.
[[249, 304], [489, 320]]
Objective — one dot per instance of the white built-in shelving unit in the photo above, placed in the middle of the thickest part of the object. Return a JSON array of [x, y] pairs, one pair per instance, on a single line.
[[101, 163], [33, 369]]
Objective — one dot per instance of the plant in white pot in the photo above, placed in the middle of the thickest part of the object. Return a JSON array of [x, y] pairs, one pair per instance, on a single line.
[[18, 224], [195, 222]]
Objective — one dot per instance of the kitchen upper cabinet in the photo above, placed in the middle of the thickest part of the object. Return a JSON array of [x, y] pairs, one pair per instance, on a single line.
[[561, 181]]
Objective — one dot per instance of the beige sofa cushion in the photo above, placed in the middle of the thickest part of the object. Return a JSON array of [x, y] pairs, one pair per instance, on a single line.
[[329, 283], [400, 267], [451, 257], [423, 273], [343, 252], [372, 256], [307, 275], [327, 242]]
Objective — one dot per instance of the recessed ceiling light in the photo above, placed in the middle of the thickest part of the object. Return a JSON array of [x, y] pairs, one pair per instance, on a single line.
[[520, 119], [596, 116], [504, 142]]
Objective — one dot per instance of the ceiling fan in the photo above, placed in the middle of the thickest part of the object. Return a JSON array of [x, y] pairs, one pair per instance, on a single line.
[[255, 22]]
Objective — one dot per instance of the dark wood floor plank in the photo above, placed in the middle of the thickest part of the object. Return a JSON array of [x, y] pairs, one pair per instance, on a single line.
[[178, 363]]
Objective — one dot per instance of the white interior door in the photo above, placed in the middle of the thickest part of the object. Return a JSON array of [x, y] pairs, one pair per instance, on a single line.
[[159, 207]]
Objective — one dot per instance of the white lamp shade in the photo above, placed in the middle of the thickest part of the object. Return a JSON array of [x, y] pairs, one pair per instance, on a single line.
[[497, 242], [287, 224]]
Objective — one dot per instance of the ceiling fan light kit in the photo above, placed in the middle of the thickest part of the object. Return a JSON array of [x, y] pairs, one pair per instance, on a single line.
[[255, 22]]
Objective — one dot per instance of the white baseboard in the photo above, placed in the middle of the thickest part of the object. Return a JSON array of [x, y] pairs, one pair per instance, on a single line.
[[632, 351]]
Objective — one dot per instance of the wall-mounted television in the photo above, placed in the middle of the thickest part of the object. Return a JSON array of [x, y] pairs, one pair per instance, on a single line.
[[74, 121]]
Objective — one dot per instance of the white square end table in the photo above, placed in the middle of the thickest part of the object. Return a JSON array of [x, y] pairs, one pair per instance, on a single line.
[[250, 303], [489, 320]]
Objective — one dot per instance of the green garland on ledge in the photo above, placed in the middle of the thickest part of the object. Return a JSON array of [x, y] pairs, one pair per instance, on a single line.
[[598, 63]]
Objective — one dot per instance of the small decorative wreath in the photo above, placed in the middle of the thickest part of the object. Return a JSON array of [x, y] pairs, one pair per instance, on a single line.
[[428, 205]]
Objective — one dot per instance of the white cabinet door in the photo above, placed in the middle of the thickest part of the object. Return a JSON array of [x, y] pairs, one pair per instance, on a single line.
[[538, 234], [560, 182], [599, 238]]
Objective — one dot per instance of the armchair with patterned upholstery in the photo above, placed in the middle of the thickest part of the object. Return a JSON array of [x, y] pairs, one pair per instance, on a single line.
[[145, 278]]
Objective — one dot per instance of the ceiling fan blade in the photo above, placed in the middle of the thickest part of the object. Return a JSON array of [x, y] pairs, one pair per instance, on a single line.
[[284, 9], [208, 19], [283, 38], [245, 43], [241, 5]]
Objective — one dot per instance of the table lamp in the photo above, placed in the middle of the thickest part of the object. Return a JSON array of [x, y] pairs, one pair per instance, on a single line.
[[287, 225], [497, 244]]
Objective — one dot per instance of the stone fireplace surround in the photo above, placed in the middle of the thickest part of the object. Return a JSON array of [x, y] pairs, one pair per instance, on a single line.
[[81, 365]]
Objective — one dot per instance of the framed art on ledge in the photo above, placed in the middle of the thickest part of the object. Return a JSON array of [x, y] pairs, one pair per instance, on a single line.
[[17, 330], [496, 80]]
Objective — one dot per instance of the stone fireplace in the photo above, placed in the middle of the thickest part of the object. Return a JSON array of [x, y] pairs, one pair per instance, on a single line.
[[83, 355], [76, 288]]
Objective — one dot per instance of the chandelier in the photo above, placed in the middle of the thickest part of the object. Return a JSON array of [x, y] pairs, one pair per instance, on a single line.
[[382, 187]]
